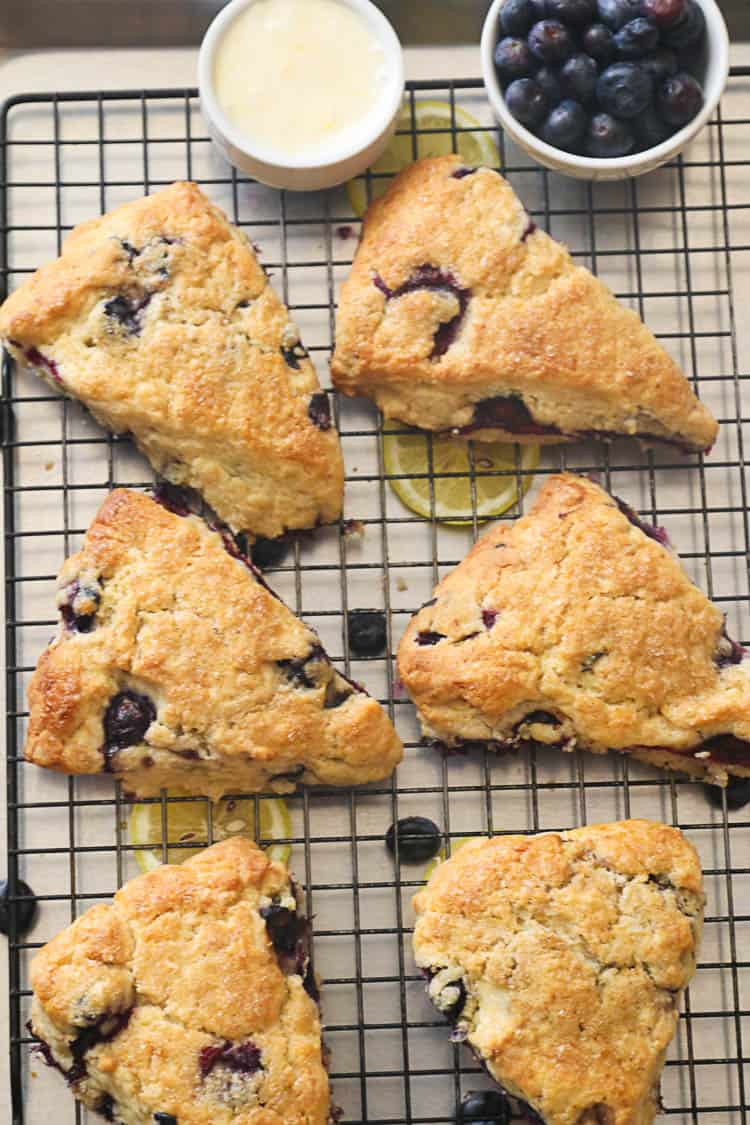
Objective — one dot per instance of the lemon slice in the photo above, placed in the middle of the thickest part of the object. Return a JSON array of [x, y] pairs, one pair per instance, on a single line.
[[407, 463], [187, 821], [440, 857], [412, 141]]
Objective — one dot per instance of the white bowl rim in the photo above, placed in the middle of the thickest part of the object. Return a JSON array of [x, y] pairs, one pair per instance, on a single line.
[[377, 122], [658, 154]]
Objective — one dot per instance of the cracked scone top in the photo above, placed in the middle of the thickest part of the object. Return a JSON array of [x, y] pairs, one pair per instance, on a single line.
[[181, 997], [560, 959], [176, 666], [159, 318], [574, 626], [460, 315]]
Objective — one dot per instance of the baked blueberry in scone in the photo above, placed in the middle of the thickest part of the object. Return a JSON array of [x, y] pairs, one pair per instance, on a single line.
[[159, 318], [186, 998], [461, 316], [176, 666], [560, 960], [577, 626]]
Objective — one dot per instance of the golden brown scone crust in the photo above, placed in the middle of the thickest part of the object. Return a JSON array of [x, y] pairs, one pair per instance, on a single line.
[[572, 950], [243, 696], [590, 620], [182, 961], [193, 366], [536, 326]]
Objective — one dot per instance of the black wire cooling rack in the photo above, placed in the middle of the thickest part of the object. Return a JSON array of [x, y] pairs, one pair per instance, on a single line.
[[675, 246]]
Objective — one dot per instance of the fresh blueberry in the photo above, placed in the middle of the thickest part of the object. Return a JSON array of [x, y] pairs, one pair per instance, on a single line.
[[624, 89], [549, 82], [517, 16], [551, 42], [418, 839], [268, 552], [689, 28], [598, 42], [607, 137], [565, 125], [636, 38], [367, 632], [664, 13], [679, 98], [127, 718], [650, 129], [527, 102], [737, 793], [615, 13], [319, 410], [484, 1107], [575, 13], [578, 78], [25, 907], [513, 59], [662, 64], [540, 9]]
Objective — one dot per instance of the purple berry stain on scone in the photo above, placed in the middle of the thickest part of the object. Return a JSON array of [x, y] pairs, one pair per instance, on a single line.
[[528, 229], [36, 359], [319, 411], [489, 617], [462, 173], [729, 651], [656, 533], [165, 1119], [505, 412], [427, 637], [172, 497], [242, 1058], [126, 720], [433, 278], [78, 609]]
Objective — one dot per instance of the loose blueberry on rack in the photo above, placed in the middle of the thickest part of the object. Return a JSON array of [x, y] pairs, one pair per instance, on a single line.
[[598, 42], [578, 77], [268, 552], [551, 42], [608, 137], [25, 907], [512, 59], [527, 101], [566, 125], [679, 98], [484, 1107], [636, 38], [615, 13], [367, 632], [418, 839], [624, 90], [517, 16], [737, 793]]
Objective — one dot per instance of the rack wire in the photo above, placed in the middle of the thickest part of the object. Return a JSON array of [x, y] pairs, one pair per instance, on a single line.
[[674, 245]]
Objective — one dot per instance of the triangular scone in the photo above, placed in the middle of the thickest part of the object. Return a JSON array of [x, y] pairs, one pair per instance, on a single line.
[[176, 666], [159, 318], [190, 998], [560, 960], [577, 626], [461, 315]]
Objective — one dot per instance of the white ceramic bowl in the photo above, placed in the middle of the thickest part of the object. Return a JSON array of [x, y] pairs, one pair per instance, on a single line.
[[617, 167], [335, 165]]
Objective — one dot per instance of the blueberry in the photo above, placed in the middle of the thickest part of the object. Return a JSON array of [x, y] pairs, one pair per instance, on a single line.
[[25, 907], [662, 64], [268, 552], [527, 102], [551, 42], [512, 59], [549, 82], [636, 38], [664, 13], [428, 638], [615, 13], [575, 13], [484, 1107], [319, 410], [599, 43], [243, 1058], [540, 9], [293, 356], [737, 793], [285, 928], [165, 1119], [624, 89], [127, 718], [128, 312], [517, 16], [418, 839], [689, 28], [607, 137], [565, 125], [578, 77], [679, 98], [367, 632], [650, 129]]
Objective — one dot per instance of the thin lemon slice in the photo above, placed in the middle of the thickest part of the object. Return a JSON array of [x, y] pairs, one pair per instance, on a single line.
[[411, 476], [440, 857], [187, 821], [475, 147]]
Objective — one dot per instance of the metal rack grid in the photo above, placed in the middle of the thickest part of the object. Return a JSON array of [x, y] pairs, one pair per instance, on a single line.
[[672, 245]]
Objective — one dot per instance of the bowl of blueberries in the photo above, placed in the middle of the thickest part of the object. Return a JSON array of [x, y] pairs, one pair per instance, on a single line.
[[604, 89]]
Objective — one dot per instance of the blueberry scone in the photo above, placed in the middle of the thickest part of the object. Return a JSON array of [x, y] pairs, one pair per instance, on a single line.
[[460, 315], [577, 626], [560, 960], [176, 666], [190, 998], [159, 318]]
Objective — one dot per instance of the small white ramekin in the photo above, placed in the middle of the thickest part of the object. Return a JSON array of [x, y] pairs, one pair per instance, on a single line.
[[616, 167], [336, 165]]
